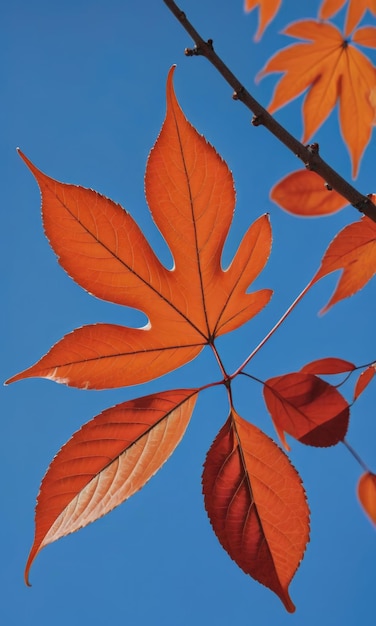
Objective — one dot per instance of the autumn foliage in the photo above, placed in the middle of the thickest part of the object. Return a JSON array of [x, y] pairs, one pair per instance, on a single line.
[[253, 495]]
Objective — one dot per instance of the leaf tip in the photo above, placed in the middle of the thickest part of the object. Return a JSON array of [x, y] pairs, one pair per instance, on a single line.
[[287, 602]]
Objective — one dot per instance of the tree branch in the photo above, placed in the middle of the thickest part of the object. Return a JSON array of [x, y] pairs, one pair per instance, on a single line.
[[309, 155]]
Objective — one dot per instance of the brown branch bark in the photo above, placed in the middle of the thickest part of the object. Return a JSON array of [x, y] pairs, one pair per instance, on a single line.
[[309, 155]]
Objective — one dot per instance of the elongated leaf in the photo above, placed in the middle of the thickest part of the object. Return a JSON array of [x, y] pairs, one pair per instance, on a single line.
[[329, 365], [367, 494], [355, 11], [304, 193], [332, 69], [191, 196], [353, 250], [256, 504], [307, 408], [107, 461], [268, 9], [364, 380]]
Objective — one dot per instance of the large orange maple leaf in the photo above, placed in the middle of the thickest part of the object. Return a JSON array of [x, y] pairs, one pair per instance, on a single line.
[[332, 69], [191, 196]]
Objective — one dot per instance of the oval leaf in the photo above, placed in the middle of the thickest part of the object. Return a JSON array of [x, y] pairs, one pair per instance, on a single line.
[[329, 365], [107, 461], [353, 251], [367, 494], [304, 193], [364, 380], [307, 408], [256, 504]]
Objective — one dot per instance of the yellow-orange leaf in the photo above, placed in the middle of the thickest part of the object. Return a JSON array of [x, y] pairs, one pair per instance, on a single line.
[[353, 250], [304, 193], [332, 69], [367, 494], [355, 11], [107, 461], [256, 504], [268, 9], [191, 196]]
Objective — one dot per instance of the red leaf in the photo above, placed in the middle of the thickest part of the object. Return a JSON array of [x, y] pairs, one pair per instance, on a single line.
[[107, 461], [190, 193], [307, 408], [353, 250], [364, 380], [367, 494], [256, 504], [330, 365], [304, 193]]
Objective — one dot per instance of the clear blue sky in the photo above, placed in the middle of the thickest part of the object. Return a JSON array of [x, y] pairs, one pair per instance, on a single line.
[[83, 95]]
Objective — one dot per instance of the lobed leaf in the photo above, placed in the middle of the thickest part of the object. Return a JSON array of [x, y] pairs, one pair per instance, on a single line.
[[108, 460], [367, 494], [191, 196], [331, 69], [268, 9], [355, 11], [304, 193], [256, 504], [307, 408], [353, 251], [364, 380]]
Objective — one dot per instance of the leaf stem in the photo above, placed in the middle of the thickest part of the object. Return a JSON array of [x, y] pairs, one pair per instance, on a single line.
[[309, 155], [272, 331], [356, 455]]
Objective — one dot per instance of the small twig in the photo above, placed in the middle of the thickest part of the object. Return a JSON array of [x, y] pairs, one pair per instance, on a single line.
[[272, 331], [309, 155]]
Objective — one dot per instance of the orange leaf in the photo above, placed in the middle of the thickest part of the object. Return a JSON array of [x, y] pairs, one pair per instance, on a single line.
[[304, 193], [330, 365], [107, 461], [353, 250], [364, 380], [256, 504], [367, 494], [191, 196], [331, 69], [355, 11], [268, 9], [307, 408]]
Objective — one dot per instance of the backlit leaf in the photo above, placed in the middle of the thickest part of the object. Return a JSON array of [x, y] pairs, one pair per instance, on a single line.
[[367, 494], [353, 251], [329, 365], [268, 9], [256, 504], [307, 408], [304, 193], [355, 11], [332, 69], [107, 461], [191, 196], [364, 380]]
